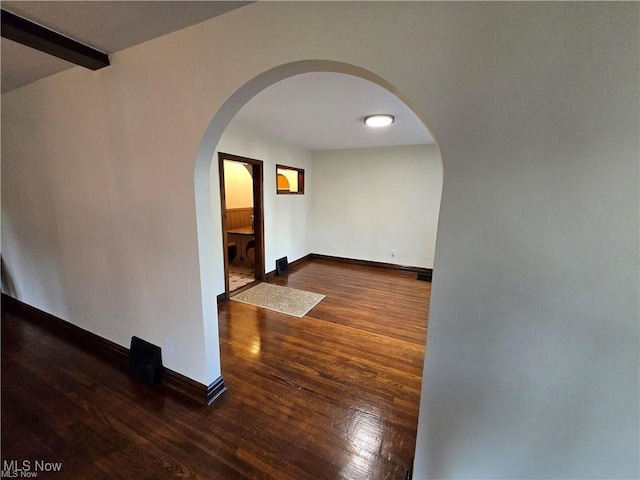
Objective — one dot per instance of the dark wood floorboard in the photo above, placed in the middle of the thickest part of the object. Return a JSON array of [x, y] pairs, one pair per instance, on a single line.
[[332, 395]]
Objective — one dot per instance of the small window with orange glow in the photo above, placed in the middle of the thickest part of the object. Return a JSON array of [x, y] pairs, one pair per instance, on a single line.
[[289, 180]]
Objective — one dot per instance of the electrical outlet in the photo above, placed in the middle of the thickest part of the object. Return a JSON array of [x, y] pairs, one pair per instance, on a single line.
[[393, 254], [168, 346]]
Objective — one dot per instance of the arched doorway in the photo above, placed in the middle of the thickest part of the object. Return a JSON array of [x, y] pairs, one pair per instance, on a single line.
[[208, 213]]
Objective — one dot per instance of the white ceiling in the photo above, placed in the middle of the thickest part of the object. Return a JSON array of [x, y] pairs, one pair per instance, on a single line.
[[322, 111], [108, 26], [318, 111]]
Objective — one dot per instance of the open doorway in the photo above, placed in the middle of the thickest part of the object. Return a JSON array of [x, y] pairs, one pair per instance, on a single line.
[[241, 200], [210, 246]]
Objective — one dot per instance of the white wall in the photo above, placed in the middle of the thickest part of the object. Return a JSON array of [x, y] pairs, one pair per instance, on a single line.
[[532, 355], [370, 201], [286, 219]]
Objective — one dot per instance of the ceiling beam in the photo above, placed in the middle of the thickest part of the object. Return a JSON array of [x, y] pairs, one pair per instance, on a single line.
[[41, 38]]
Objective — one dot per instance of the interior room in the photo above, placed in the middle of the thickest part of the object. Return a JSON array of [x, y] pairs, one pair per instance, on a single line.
[[239, 218], [519, 359], [369, 195]]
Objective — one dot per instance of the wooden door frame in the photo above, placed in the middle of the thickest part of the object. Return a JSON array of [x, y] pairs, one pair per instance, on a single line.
[[257, 170]]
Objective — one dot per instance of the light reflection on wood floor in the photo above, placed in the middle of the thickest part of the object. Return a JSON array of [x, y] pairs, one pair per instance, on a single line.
[[333, 395], [340, 385]]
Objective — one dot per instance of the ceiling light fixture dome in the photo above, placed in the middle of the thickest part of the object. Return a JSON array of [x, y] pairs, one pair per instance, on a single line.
[[379, 120]]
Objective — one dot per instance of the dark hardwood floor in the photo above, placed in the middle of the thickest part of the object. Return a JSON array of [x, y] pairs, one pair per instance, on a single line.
[[332, 395]]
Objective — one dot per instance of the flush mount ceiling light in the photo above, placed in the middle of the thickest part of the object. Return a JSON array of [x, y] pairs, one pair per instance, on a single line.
[[379, 120]]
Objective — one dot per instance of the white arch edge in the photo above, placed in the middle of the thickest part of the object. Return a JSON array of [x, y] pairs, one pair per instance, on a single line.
[[202, 185]]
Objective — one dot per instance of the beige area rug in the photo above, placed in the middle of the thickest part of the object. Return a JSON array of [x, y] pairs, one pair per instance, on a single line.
[[280, 299]]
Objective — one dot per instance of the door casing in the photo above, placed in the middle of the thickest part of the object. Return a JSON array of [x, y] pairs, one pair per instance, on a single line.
[[257, 173]]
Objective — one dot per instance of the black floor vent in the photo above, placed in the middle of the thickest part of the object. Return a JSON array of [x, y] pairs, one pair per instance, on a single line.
[[282, 265], [145, 362], [425, 277]]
